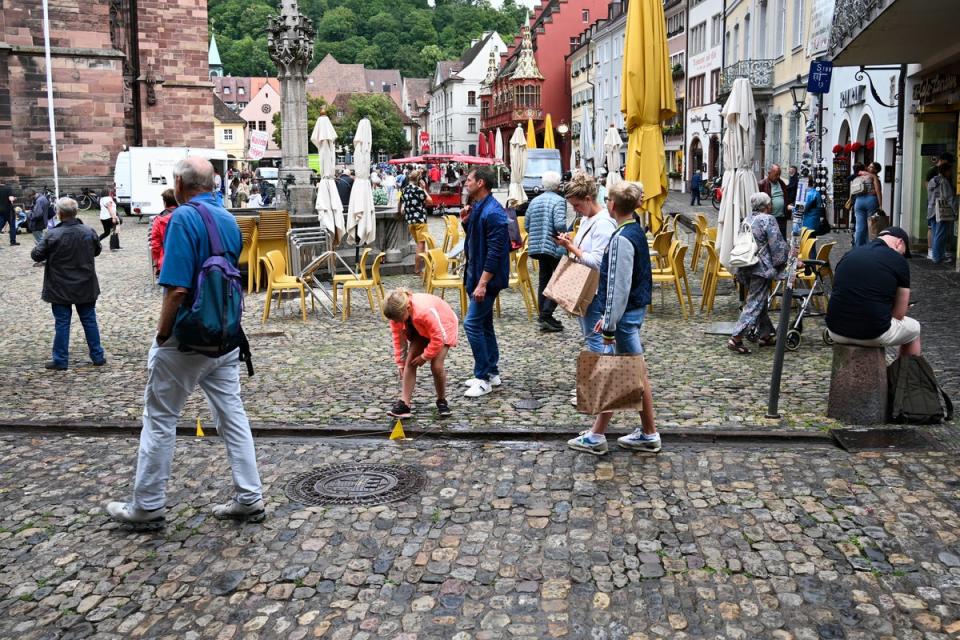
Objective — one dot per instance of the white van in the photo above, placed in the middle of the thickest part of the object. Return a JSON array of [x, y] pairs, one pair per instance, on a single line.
[[142, 174]]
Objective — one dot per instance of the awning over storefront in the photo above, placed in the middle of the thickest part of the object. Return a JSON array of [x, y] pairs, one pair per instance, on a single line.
[[900, 31]]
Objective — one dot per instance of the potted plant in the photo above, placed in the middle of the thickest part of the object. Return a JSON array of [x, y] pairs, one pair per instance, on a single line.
[[678, 70]]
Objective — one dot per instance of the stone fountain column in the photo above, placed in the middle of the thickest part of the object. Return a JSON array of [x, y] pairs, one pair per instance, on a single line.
[[290, 41]]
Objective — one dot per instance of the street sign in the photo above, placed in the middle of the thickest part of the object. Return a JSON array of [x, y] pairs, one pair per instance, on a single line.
[[818, 80], [258, 144], [424, 137]]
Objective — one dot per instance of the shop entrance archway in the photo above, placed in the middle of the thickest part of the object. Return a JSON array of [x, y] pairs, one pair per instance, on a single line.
[[696, 157]]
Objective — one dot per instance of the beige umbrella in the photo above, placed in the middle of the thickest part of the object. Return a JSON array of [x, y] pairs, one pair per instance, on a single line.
[[361, 217], [611, 149], [518, 166], [329, 208], [739, 181]]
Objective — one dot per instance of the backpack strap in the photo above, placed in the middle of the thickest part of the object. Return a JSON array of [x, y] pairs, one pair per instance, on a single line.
[[216, 246]]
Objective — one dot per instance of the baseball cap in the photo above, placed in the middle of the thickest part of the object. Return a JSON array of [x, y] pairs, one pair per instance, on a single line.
[[897, 232]]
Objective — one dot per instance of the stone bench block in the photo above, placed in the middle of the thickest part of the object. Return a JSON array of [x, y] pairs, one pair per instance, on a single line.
[[858, 385]]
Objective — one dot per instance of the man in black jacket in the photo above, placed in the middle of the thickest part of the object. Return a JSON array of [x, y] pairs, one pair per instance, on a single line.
[[70, 279]]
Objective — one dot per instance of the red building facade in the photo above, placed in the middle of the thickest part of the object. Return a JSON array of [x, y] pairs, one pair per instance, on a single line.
[[554, 30]]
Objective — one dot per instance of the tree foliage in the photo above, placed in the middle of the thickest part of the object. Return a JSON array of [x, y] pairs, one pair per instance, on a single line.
[[385, 123], [381, 34]]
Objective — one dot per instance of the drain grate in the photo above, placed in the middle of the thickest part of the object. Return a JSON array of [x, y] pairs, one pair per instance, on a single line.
[[880, 438], [356, 484], [527, 404]]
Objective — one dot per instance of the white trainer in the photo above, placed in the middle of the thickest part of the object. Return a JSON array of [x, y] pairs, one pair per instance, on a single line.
[[481, 388], [128, 514], [495, 381]]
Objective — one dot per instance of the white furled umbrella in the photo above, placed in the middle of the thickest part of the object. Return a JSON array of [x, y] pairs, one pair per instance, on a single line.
[[596, 145], [329, 208], [361, 218], [586, 141], [498, 151], [518, 166], [611, 149], [739, 182]]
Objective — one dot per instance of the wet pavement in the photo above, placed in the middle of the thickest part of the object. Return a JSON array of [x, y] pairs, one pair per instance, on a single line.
[[326, 373], [504, 541]]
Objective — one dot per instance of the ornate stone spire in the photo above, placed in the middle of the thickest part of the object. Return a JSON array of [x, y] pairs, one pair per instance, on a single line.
[[492, 67], [527, 68]]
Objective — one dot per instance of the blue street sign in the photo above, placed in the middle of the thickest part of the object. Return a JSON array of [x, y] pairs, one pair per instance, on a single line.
[[818, 81]]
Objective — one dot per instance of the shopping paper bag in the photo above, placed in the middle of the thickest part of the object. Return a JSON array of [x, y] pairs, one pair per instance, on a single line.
[[573, 286], [877, 223], [608, 382]]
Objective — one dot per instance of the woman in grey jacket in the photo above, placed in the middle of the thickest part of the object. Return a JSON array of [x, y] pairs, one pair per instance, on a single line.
[[546, 217]]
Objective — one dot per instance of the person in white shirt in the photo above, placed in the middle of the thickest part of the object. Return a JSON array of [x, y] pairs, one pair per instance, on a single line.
[[108, 214], [255, 201]]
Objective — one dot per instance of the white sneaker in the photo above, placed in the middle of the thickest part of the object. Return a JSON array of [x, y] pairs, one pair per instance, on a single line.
[[126, 513], [929, 254], [639, 441], [481, 388], [495, 381], [589, 442], [234, 510]]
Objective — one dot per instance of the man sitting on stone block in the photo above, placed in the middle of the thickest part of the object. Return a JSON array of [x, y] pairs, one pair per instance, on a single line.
[[871, 293]]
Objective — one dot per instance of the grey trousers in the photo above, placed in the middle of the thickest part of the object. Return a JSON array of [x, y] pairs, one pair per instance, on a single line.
[[172, 375]]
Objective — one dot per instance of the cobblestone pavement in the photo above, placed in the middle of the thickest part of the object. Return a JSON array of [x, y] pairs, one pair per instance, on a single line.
[[327, 373], [504, 541]]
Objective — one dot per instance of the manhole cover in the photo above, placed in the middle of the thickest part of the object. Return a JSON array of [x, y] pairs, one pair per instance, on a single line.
[[527, 404], [868, 439], [356, 484]]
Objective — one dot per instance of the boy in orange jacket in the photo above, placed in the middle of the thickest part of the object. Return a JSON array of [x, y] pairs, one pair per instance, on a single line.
[[424, 329]]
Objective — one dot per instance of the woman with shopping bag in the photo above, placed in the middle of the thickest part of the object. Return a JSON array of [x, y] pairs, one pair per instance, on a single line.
[[607, 383], [589, 245]]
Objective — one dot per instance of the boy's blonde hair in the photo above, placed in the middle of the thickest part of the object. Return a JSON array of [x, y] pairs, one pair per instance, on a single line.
[[396, 304], [626, 196]]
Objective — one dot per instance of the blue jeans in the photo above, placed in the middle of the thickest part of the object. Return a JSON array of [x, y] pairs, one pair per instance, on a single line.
[[941, 236], [478, 325], [863, 208], [593, 340], [61, 340], [628, 331]]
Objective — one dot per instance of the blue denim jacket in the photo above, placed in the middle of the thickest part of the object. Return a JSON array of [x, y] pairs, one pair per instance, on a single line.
[[487, 246]]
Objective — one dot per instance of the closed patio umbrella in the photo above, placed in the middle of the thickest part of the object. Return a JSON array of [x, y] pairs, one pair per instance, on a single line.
[[586, 141], [596, 143], [548, 142], [518, 165], [611, 151], [482, 146], [498, 150], [361, 216], [329, 208], [531, 135], [739, 182], [492, 144], [647, 99]]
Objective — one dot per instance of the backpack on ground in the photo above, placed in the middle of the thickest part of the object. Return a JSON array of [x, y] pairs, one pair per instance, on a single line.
[[210, 325], [513, 228], [914, 394], [745, 252]]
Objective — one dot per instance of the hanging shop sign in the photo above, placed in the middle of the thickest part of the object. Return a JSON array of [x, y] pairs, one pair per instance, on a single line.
[[934, 88], [853, 96]]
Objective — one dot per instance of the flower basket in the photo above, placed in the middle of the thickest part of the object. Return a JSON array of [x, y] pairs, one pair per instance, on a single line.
[[837, 148]]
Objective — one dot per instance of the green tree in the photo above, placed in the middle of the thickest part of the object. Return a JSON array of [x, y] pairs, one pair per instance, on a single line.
[[337, 24], [246, 57], [236, 20], [386, 124]]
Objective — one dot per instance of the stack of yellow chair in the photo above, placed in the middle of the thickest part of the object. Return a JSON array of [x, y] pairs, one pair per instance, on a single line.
[[676, 273], [248, 232], [272, 231], [713, 272], [439, 277]]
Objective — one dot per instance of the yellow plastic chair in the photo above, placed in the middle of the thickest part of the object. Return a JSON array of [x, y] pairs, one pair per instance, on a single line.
[[661, 244], [673, 274], [272, 230], [442, 279], [451, 235], [519, 279], [826, 272], [248, 231], [713, 273], [700, 229], [373, 286], [279, 281], [339, 279]]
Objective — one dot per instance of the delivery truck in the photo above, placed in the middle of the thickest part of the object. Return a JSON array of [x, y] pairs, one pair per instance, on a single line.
[[142, 174]]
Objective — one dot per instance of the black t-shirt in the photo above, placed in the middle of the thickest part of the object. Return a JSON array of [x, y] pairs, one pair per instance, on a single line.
[[6, 207], [865, 290]]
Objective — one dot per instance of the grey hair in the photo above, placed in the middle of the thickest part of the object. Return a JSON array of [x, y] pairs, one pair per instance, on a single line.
[[759, 201], [196, 174], [67, 206], [550, 180]]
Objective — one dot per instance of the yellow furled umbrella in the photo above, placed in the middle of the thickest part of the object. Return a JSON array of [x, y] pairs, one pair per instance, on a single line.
[[531, 135], [647, 99], [548, 142]]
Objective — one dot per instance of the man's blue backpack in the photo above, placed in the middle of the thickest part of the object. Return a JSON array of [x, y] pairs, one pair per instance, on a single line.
[[210, 325]]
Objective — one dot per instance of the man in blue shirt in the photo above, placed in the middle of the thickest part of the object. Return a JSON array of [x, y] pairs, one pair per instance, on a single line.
[[488, 271], [174, 374]]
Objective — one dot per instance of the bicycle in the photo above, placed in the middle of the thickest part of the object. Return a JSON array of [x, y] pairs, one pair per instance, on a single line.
[[88, 199]]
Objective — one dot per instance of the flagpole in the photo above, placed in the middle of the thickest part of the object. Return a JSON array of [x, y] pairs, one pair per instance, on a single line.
[[53, 126]]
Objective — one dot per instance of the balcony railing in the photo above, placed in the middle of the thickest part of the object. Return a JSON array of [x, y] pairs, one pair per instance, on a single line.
[[850, 17], [758, 72]]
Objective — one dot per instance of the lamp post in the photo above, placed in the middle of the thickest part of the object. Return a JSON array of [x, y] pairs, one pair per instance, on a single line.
[[563, 130]]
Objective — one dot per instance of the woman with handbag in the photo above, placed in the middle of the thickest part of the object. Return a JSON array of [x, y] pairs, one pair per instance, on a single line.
[[941, 212], [589, 244], [626, 284], [108, 213], [869, 198], [771, 257]]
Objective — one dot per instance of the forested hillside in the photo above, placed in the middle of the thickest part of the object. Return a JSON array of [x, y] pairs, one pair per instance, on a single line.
[[385, 34]]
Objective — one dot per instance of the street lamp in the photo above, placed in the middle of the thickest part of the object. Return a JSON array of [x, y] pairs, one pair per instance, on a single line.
[[799, 94], [705, 123]]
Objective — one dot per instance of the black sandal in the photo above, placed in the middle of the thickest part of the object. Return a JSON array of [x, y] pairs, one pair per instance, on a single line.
[[738, 347]]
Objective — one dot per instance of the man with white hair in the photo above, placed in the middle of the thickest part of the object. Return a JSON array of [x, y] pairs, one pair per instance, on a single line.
[[176, 370], [70, 280], [546, 217]]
